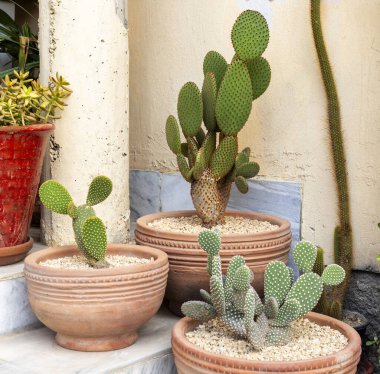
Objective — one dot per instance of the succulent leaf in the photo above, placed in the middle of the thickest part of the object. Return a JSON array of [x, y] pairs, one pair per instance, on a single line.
[[173, 136], [209, 146], [55, 197], [217, 294], [95, 238], [235, 263], [200, 137], [100, 188], [305, 254], [260, 73], [209, 93], [241, 184], [215, 63], [248, 170], [242, 278], [200, 164], [249, 309], [224, 157], [278, 336], [210, 241], [277, 281], [198, 310], [333, 275], [288, 312], [205, 296]]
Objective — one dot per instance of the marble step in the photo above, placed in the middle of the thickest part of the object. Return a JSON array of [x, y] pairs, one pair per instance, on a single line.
[[35, 352]]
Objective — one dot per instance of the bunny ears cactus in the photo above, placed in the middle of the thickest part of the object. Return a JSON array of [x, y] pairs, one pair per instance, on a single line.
[[237, 304], [209, 162], [89, 230]]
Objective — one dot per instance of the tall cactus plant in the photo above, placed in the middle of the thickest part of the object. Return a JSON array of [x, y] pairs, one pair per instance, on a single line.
[[343, 246], [237, 304], [209, 157], [89, 230]]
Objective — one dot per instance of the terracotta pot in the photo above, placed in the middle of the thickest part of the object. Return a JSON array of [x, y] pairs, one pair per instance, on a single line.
[[22, 150], [188, 274], [96, 309], [190, 359]]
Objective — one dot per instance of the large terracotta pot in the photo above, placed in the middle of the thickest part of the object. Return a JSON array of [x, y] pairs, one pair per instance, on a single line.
[[190, 359], [96, 309], [188, 262], [22, 150]]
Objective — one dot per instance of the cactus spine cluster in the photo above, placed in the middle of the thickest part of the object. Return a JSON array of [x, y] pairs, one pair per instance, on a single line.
[[209, 157], [343, 233], [237, 304], [89, 230]]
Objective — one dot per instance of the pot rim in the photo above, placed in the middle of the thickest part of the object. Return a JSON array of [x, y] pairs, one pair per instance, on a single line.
[[38, 127], [31, 263], [282, 230], [186, 324]]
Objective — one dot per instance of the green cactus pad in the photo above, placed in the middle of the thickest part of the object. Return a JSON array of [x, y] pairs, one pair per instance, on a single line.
[[193, 150], [200, 164], [200, 137], [173, 137], [333, 275], [100, 188], [223, 158], [291, 274], [249, 309], [95, 238], [55, 197], [198, 310], [185, 149], [277, 281], [234, 321], [241, 184], [288, 312], [278, 336], [215, 63], [217, 294], [234, 100], [307, 291], [250, 35], [305, 254], [319, 264], [210, 241], [72, 211], [248, 170], [271, 307], [235, 263], [238, 299], [209, 146], [241, 158], [190, 109], [209, 92], [205, 296], [216, 266], [183, 167], [242, 278], [256, 334], [260, 73]]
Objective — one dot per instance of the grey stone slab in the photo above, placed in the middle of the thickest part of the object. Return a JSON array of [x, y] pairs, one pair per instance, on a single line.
[[175, 193], [35, 352]]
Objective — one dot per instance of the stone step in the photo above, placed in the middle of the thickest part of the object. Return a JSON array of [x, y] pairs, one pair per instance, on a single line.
[[35, 352]]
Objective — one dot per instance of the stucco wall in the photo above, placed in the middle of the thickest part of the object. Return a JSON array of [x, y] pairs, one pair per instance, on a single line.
[[287, 129]]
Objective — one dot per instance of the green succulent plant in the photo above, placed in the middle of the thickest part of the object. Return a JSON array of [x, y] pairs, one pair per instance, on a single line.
[[209, 158], [89, 230], [24, 101], [237, 304]]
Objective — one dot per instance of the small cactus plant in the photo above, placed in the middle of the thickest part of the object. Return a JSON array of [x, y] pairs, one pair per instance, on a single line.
[[211, 162], [237, 304], [89, 230]]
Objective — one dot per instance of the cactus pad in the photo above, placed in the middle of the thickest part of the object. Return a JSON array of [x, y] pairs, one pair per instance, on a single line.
[[173, 137], [241, 184], [209, 146], [100, 188], [278, 336], [217, 294], [288, 312], [223, 158], [209, 92], [55, 197], [277, 281], [333, 275], [183, 167], [215, 63], [235, 263], [200, 164], [190, 109], [210, 241], [242, 278], [95, 238], [249, 309], [234, 100], [271, 307], [305, 254], [198, 310], [248, 170], [260, 73], [250, 35], [241, 158]]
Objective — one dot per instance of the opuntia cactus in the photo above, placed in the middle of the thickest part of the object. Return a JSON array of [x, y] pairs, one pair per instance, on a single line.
[[89, 230], [209, 162], [237, 304]]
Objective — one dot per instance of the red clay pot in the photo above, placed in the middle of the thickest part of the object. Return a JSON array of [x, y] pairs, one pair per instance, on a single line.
[[190, 359], [188, 262], [96, 309], [22, 150]]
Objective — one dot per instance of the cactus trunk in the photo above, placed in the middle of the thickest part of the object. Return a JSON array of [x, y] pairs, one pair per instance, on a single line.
[[343, 252], [210, 198]]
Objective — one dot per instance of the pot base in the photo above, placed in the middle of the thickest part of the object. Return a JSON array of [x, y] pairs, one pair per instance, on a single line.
[[96, 344], [16, 253]]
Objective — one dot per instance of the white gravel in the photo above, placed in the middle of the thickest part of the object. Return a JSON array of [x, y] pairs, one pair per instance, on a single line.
[[193, 225], [79, 262], [308, 340]]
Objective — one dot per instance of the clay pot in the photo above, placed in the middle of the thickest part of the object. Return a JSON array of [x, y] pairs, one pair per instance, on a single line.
[[188, 262], [191, 359], [22, 150], [96, 309]]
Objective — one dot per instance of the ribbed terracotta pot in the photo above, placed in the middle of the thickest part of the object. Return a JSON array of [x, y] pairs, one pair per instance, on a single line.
[[96, 309], [22, 150], [188, 262], [190, 359]]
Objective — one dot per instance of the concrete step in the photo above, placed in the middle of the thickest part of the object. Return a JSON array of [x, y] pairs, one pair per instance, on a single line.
[[35, 352]]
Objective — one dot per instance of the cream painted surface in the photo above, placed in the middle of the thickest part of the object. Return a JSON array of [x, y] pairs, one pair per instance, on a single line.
[[287, 129], [87, 42]]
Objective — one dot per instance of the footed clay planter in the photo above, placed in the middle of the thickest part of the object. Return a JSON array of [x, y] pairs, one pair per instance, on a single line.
[[191, 359], [96, 309], [188, 262]]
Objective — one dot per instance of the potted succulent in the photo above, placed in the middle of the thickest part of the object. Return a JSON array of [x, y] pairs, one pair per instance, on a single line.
[[94, 295], [212, 163], [27, 109], [233, 330]]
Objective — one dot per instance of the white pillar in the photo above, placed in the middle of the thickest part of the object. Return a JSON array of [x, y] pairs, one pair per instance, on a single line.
[[87, 42]]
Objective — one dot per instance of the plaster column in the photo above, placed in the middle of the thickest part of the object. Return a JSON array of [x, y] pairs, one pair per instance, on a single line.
[[87, 42]]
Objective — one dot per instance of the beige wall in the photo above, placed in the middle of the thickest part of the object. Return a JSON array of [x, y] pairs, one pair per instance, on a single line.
[[287, 129]]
